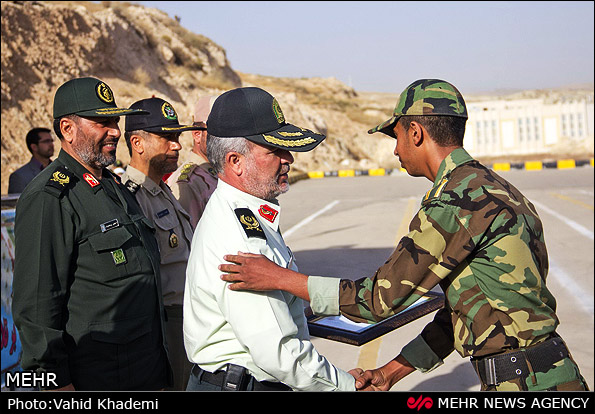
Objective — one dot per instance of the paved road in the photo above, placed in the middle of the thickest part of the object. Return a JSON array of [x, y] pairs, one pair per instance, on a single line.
[[348, 226]]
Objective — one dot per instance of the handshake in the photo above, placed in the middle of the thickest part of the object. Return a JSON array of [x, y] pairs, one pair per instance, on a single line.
[[383, 378]]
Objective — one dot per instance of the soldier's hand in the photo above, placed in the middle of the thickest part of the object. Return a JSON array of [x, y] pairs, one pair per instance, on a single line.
[[248, 271], [383, 378], [372, 380]]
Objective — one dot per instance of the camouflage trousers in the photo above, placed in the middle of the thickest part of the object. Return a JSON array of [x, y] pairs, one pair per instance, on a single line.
[[524, 370]]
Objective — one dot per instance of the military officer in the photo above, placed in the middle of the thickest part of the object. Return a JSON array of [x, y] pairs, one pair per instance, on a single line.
[[245, 340], [477, 237], [153, 144], [87, 290], [195, 180]]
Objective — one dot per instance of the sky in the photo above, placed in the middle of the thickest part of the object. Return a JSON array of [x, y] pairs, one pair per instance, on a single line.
[[384, 46]]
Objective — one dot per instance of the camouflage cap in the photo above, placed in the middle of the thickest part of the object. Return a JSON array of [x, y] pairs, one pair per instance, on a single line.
[[425, 97]]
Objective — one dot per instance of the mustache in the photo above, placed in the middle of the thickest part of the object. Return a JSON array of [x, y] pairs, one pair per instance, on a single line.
[[284, 169], [109, 141]]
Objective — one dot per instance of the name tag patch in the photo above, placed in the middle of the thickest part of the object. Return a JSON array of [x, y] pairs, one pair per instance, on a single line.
[[108, 225], [162, 213]]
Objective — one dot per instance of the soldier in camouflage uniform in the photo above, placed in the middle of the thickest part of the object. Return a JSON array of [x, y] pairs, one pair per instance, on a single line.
[[477, 237]]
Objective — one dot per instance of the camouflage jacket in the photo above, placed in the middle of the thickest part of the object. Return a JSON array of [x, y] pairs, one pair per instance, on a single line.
[[481, 241]]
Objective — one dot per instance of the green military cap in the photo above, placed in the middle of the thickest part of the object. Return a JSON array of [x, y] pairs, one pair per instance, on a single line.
[[88, 97], [425, 97]]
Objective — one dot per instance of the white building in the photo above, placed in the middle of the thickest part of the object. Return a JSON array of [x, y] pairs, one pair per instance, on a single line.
[[560, 124]]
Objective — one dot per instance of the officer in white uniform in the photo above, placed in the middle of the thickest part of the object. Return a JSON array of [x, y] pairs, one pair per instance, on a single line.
[[245, 340], [153, 144]]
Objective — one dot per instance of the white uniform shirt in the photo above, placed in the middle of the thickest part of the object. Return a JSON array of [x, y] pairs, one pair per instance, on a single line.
[[265, 332]]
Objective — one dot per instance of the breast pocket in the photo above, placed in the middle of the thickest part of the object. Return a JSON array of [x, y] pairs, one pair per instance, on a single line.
[[170, 236], [115, 255]]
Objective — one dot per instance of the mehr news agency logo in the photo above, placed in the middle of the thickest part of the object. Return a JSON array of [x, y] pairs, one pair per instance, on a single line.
[[493, 400]]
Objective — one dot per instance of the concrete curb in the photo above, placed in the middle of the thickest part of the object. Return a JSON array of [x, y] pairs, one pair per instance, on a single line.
[[505, 166]]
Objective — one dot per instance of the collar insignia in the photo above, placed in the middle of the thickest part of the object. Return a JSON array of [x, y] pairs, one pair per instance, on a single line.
[[436, 191], [268, 213], [92, 181]]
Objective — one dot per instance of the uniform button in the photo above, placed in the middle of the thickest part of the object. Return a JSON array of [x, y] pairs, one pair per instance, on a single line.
[[513, 359], [518, 372]]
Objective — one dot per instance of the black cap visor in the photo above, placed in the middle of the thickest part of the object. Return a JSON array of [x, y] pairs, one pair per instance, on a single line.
[[289, 137]]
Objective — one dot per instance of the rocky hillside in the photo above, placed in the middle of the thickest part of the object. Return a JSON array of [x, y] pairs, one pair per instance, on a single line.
[[141, 52]]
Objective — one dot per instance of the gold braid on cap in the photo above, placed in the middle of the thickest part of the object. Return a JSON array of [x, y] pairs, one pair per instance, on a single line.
[[288, 142]]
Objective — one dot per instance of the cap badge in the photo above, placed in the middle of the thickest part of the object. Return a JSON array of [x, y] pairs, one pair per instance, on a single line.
[[104, 93], [92, 181], [168, 111], [278, 112], [268, 212], [60, 178]]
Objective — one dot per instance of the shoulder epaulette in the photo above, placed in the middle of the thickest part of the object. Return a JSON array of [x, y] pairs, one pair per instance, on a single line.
[[60, 180], [249, 223], [436, 191], [186, 171]]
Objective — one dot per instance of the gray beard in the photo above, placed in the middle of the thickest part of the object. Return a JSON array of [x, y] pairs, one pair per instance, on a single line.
[[85, 150], [266, 190]]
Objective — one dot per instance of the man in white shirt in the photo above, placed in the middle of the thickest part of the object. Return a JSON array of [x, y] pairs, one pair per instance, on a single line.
[[246, 340]]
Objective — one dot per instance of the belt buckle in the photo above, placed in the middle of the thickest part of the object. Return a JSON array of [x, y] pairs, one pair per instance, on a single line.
[[490, 371]]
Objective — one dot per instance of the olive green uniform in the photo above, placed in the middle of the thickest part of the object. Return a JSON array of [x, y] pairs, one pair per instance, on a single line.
[[87, 291]]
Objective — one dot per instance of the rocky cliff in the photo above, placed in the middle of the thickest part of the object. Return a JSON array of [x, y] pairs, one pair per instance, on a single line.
[[141, 52]]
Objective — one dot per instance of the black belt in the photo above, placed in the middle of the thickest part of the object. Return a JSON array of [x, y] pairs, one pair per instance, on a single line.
[[493, 370], [218, 378]]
